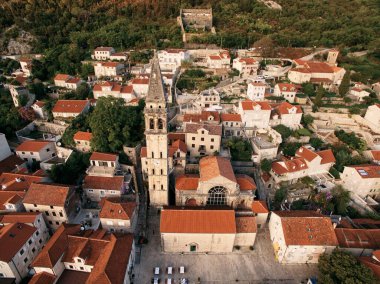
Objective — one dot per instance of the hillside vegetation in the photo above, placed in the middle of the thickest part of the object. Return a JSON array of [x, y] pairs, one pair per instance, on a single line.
[[68, 29]]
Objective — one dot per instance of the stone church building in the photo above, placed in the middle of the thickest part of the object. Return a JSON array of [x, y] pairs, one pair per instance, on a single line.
[[216, 184]]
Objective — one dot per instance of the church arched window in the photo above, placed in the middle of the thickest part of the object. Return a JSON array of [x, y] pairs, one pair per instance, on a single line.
[[160, 123], [151, 123], [217, 196]]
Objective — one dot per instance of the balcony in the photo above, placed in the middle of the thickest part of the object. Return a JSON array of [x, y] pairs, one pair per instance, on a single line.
[[101, 171]]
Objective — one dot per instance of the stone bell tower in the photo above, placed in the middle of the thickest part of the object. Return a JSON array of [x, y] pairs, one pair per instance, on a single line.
[[156, 133]]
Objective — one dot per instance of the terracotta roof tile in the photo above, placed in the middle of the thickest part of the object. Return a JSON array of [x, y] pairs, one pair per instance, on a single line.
[[246, 224], [358, 238], [245, 182], [12, 238], [42, 278], [179, 144], [73, 80], [110, 64], [230, 117], [204, 116], [212, 129], [372, 264], [17, 182], [140, 81], [47, 194], [11, 197], [327, 156], [39, 104], [306, 153], [112, 209], [97, 156], [19, 217], [375, 155], [70, 106], [83, 136], [10, 163], [61, 77], [104, 48], [187, 182], [32, 145], [107, 183], [247, 60], [307, 229], [289, 166], [259, 206], [285, 107], [251, 105], [215, 166], [203, 221], [286, 87], [367, 171]]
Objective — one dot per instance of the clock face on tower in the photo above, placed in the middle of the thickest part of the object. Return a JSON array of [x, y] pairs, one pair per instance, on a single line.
[[156, 163]]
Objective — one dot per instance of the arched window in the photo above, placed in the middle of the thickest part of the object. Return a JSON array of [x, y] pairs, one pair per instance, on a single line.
[[217, 196], [160, 123], [151, 123]]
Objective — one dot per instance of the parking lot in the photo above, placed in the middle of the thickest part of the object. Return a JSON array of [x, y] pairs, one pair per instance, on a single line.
[[257, 266]]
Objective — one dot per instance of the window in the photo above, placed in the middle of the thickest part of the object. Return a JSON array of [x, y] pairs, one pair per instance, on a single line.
[[61, 214], [193, 145], [33, 250], [202, 139], [50, 222], [112, 164], [22, 251], [193, 138], [162, 172], [47, 150], [151, 123], [81, 268], [161, 155], [35, 205], [71, 267], [152, 171], [160, 124], [30, 241], [25, 260], [217, 196], [51, 207], [211, 147], [212, 139], [40, 241], [37, 233], [152, 154], [54, 214], [193, 248], [57, 223], [162, 187]]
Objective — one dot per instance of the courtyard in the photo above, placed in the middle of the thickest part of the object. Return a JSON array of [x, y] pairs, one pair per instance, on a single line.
[[243, 266]]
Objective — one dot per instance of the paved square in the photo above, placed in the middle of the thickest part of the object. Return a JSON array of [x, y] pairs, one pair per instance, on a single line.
[[256, 266]]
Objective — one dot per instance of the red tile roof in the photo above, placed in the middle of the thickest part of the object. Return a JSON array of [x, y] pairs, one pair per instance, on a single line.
[[11, 197], [327, 156], [204, 116], [176, 136], [318, 67], [212, 129], [39, 104], [97, 156], [306, 153], [372, 264], [12, 238], [47, 194], [73, 80], [113, 209], [250, 105], [305, 228], [187, 182], [285, 107], [214, 166], [140, 81], [10, 163], [179, 144], [70, 106], [358, 238], [143, 152], [106, 183], [19, 217], [230, 117], [173, 50], [83, 136], [111, 64], [197, 221], [17, 182], [42, 278], [247, 60], [259, 206], [246, 224], [367, 171], [103, 48], [32, 145], [375, 155], [61, 77], [245, 182], [289, 166], [376, 254], [286, 87]]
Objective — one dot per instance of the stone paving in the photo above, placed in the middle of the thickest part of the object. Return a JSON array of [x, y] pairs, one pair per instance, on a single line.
[[256, 266]]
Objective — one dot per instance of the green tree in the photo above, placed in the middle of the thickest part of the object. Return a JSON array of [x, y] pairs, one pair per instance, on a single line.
[[79, 123], [72, 170], [289, 149], [86, 70], [279, 196], [316, 143], [320, 94], [307, 119], [341, 198], [284, 131], [342, 267], [266, 165], [308, 89], [345, 84], [114, 125], [38, 89]]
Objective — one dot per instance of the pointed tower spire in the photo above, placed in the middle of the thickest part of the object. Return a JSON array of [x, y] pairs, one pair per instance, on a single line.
[[156, 89]]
